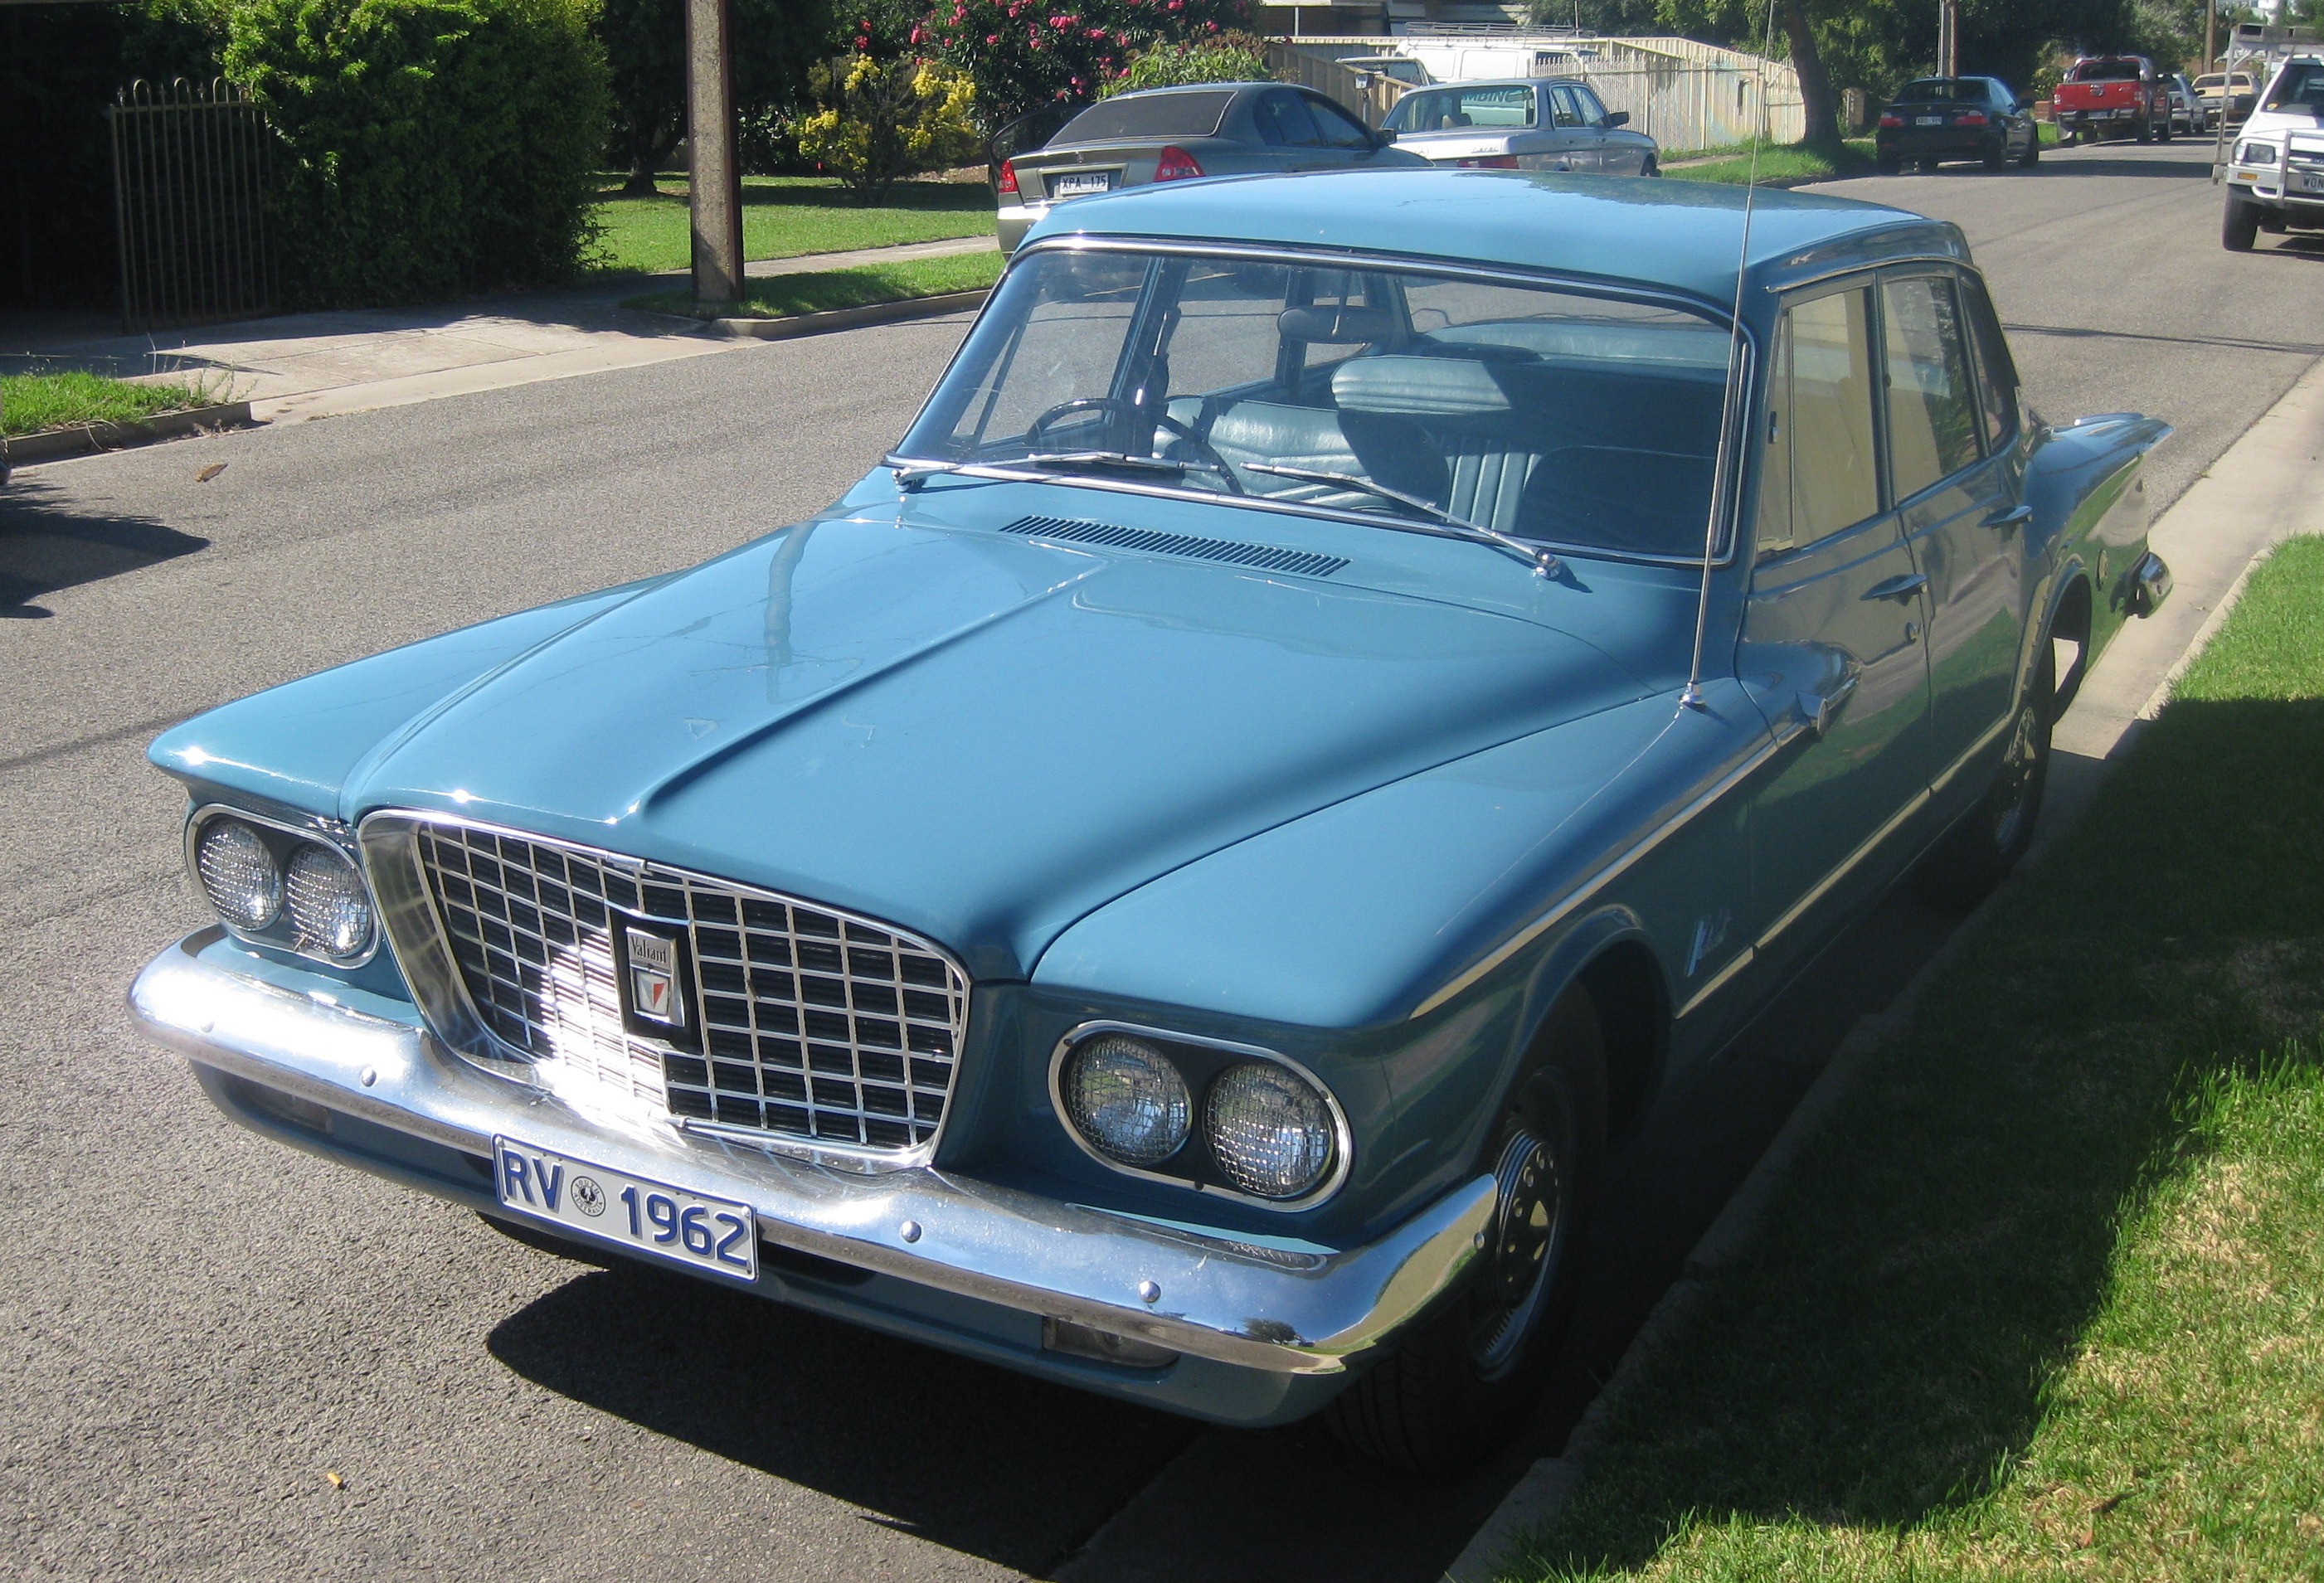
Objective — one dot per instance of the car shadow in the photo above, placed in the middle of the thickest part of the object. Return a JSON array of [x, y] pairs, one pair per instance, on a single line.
[[46, 546]]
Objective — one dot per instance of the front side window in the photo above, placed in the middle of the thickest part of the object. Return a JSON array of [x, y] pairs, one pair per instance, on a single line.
[[1587, 421], [1336, 127], [2299, 88], [1593, 109], [1819, 471], [1932, 415], [1283, 120], [1450, 109], [1563, 108]]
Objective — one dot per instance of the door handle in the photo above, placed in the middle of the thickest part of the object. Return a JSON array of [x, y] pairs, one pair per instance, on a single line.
[[1904, 585], [2005, 520], [1819, 708]]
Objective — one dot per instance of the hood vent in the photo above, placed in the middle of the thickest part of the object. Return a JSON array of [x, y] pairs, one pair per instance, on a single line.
[[1265, 556]]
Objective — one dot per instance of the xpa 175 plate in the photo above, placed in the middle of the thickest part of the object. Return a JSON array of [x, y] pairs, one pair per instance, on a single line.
[[641, 1216]]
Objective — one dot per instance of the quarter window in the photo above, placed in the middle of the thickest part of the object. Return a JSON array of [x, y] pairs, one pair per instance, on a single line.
[[1996, 375], [1818, 473], [1932, 417]]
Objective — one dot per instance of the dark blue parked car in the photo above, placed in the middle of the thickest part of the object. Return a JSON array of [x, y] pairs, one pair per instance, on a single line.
[[1352, 689]]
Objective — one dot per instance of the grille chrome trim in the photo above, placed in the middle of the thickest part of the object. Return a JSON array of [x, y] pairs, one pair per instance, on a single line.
[[821, 1032]]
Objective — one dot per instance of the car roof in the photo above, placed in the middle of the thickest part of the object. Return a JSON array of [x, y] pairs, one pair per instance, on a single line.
[[1431, 88], [1683, 236]]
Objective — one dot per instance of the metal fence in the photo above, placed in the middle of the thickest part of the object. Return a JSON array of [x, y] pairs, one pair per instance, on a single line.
[[189, 182], [1689, 108]]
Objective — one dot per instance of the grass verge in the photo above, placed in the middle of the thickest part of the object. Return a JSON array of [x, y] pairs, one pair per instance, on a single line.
[[784, 216], [32, 402], [1777, 162], [819, 290], [2045, 1297]]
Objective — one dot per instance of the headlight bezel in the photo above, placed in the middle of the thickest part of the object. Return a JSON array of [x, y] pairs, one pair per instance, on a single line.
[[284, 839], [1201, 1062]]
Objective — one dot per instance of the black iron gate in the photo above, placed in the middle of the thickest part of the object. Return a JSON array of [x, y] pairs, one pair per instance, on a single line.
[[190, 172]]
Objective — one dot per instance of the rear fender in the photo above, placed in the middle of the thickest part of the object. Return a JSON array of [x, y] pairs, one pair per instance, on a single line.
[[2086, 486]]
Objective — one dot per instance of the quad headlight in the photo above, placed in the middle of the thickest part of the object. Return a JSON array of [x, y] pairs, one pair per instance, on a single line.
[[1268, 1130], [278, 885]]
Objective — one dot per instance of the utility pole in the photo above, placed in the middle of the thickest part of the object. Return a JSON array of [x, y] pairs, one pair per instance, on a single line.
[[714, 178], [2210, 32], [1949, 38]]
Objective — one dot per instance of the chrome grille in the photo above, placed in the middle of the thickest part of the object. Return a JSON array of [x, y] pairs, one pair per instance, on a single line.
[[807, 1023]]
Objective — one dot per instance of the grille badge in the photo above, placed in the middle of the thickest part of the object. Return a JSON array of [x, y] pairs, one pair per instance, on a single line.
[[654, 994]]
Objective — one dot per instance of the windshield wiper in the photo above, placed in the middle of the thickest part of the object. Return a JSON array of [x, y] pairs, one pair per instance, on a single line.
[[913, 471], [1102, 459], [1544, 564]]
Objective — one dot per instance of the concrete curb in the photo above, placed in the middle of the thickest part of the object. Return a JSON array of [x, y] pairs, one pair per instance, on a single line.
[[2267, 463], [847, 318], [86, 438]]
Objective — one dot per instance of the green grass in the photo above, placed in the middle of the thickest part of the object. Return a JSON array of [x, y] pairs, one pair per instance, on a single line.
[[31, 402], [2045, 1297], [1777, 162], [819, 290], [784, 216]]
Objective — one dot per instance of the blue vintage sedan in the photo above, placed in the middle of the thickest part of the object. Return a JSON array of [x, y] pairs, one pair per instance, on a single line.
[[1354, 687]]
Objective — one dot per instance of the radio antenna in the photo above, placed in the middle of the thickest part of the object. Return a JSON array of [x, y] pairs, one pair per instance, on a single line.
[[1720, 474]]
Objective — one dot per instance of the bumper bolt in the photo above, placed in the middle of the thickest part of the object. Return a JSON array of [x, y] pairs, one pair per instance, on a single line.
[[1148, 1292], [368, 1075], [909, 1230]]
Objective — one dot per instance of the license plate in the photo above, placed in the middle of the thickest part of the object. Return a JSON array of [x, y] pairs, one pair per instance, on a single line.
[[633, 1212], [1927, 121], [1078, 186]]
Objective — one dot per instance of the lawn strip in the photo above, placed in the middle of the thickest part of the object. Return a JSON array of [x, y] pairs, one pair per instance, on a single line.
[[821, 290], [2043, 1297], [1787, 163], [787, 217], [33, 402]]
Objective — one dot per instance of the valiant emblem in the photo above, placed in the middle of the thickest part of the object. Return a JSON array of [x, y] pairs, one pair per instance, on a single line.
[[654, 978]]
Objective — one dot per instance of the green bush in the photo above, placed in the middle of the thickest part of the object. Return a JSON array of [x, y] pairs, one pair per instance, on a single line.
[[426, 149], [1235, 58]]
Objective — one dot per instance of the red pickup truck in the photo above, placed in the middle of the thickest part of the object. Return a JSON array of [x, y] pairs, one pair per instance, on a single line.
[[2106, 95]]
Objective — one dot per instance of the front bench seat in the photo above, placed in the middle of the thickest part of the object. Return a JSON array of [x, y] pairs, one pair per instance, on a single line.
[[1487, 454]]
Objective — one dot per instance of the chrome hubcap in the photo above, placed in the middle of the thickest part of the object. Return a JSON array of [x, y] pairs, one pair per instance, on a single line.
[[2017, 771], [1527, 1234]]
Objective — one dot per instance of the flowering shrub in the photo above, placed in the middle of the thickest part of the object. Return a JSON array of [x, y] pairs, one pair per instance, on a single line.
[[880, 120], [1229, 58], [1026, 52]]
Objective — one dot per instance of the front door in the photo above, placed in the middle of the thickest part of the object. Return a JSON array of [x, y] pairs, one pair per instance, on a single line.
[[1579, 138], [1831, 634], [1959, 493]]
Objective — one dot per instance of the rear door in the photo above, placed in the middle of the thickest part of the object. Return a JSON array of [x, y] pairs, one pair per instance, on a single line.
[[1830, 632]]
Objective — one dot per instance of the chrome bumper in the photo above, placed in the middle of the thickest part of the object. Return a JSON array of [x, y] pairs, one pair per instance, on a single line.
[[1210, 1296]]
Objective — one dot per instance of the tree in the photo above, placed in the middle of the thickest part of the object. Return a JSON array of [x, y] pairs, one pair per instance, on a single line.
[[1023, 53], [776, 43]]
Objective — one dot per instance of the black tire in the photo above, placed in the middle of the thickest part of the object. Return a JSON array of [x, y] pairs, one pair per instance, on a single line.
[[2145, 130], [2032, 155], [1468, 1372], [1890, 164], [2163, 130], [1997, 157], [2239, 225], [1979, 853], [1651, 168]]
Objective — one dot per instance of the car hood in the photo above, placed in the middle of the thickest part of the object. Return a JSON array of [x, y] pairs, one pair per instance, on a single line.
[[974, 735]]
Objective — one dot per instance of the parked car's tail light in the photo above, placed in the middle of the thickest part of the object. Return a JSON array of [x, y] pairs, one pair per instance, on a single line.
[[1176, 164], [1269, 1130], [1969, 118], [1127, 1100], [1488, 162], [1888, 118], [1008, 179], [238, 873], [330, 909]]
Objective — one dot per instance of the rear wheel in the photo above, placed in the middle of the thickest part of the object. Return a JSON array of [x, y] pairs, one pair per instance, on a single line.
[[2033, 154], [2145, 130], [1981, 850], [1997, 157], [2163, 130], [1890, 164], [1463, 1376], [2239, 225]]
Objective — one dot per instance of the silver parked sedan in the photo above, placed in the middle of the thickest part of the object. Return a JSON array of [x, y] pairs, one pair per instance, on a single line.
[[1177, 133], [1525, 123]]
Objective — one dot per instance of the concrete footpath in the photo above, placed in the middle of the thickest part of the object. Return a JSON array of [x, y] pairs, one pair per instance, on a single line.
[[2253, 498], [299, 366]]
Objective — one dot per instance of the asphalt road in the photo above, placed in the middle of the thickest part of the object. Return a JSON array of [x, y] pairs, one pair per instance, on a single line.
[[225, 1359]]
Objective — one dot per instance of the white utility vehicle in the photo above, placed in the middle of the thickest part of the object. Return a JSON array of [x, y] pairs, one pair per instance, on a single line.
[[2275, 171]]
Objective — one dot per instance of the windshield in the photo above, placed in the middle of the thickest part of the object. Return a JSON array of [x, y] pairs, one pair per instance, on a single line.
[[1583, 422], [2299, 87], [1450, 109]]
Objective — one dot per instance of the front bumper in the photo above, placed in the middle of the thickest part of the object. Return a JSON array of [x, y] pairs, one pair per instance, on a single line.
[[1207, 1295]]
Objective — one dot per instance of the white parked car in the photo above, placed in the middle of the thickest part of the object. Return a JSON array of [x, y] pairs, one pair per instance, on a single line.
[[2275, 172], [1523, 123]]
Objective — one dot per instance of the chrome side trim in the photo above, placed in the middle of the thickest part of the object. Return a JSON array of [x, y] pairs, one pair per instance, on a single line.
[[1841, 871], [1212, 1294], [328, 833], [1344, 1145], [1589, 888], [1719, 980]]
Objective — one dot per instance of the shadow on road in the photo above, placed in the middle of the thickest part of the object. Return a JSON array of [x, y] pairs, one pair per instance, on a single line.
[[46, 546]]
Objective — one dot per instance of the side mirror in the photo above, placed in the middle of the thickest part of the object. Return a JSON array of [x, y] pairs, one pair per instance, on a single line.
[[1617, 117], [1382, 136]]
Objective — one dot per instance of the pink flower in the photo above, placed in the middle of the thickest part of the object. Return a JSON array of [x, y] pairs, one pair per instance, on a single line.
[[992, 38], [1097, 33], [915, 33]]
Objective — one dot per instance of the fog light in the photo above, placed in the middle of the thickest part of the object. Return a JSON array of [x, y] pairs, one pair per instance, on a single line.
[[1088, 1341], [1126, 1099], [239, 874], [1270, 1131], [329, 907]]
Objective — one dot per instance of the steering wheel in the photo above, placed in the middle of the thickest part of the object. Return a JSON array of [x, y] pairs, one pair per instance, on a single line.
[[1204, 452]]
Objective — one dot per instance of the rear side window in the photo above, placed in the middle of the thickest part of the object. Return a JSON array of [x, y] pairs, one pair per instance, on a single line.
[[1818, 473], [1145, 115], [1931, 415]]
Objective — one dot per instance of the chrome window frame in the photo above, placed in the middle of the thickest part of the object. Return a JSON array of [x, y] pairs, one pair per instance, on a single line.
[[408, 915], [1725, 491], [321, 832], [1343, 1147]]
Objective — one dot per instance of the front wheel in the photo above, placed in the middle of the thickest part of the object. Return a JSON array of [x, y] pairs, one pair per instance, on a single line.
[[2239, 226], [1981, 850], [1464, 1376], [1651, 168]]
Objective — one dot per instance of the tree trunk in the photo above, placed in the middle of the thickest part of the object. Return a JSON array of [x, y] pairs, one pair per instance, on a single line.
[[1820, 106]]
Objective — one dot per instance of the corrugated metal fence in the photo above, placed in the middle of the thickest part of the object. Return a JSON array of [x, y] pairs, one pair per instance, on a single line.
[[189, 179]]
